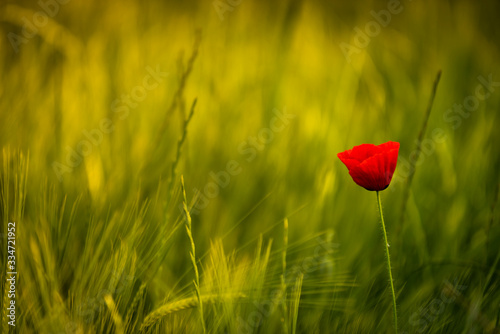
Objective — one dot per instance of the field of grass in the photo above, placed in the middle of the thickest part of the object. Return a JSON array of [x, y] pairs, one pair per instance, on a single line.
[[105, 106]]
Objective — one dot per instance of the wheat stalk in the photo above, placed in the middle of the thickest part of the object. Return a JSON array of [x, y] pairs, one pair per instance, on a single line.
[[135, 303], [115, 315], [192, 254], [183, 304]]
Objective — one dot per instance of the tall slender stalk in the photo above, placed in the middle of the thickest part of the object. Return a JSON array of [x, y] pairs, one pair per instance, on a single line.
[[284, 320], [388, 263], [173, 175], [180, 89], [418, 151], [192, 254]]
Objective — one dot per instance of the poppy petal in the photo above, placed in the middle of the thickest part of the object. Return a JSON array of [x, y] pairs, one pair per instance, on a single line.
[[371, 166]]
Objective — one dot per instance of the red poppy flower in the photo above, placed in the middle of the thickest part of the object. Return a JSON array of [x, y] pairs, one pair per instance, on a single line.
[[371, 166]]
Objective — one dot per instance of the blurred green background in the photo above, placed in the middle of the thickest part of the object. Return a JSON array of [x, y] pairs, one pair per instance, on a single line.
[[99, 211]]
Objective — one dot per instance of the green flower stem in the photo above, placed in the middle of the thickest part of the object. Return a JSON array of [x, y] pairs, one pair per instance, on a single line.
[[388, 262]]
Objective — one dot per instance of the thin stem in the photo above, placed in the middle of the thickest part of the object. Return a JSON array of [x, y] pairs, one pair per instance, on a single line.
[[284, 320], [179, 151], [388, 262], [192, 254], [418, 151]]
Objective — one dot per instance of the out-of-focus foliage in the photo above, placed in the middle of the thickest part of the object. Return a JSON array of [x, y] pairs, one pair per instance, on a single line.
[[97, 94]]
